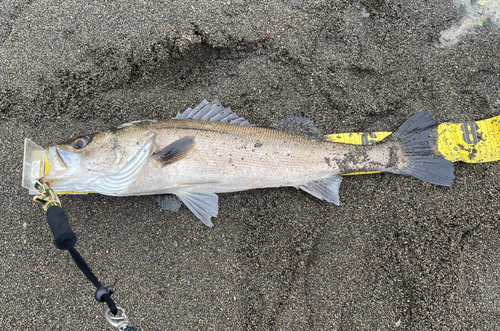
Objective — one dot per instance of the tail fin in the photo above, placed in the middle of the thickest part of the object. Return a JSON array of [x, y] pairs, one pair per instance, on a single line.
[[418, 136]]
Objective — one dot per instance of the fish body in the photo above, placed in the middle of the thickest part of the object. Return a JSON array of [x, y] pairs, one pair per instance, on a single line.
[[229, 158], [209, 150]]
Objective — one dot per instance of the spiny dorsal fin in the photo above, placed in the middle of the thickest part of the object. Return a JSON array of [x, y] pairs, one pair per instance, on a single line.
[[212, 112]]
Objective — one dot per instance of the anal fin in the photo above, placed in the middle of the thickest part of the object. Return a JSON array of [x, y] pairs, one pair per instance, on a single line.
[[325, 189]]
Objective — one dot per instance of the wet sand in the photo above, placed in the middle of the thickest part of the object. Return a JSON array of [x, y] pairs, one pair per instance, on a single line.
[[398, 254]]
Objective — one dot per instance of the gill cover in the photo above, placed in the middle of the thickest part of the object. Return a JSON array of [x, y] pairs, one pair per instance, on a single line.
[[111, 185], [84, 171]]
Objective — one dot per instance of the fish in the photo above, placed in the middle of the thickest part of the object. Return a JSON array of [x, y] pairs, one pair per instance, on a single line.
[[209, 149]]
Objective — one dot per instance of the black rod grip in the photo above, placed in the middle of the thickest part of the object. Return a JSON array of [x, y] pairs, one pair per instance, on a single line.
[[60, 227]]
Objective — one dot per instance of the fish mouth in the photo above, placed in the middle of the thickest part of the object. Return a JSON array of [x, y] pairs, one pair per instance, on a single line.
[[59, 159], [55, 160], [68, 158], [60, 162]]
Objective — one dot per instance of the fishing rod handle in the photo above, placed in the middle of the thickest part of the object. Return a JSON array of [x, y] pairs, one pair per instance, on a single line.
[[60, 227]]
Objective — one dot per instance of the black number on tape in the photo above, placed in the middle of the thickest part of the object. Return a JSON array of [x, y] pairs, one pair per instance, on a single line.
[[469, 132], [365, 138]]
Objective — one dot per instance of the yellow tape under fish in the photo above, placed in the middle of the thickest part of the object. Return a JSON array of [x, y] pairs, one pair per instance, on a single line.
[[471, 142]]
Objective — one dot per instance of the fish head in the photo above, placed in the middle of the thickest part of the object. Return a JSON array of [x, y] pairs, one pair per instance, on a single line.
[[88, 163]]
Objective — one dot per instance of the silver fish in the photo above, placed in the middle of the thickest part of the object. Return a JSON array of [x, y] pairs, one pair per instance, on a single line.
[[209, 150]]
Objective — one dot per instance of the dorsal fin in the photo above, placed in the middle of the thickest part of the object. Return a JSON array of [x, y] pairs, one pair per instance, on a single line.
[[298, 125], [212, 112]]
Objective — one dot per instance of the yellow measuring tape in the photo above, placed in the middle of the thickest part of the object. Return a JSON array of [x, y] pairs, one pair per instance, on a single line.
[[471, 142]]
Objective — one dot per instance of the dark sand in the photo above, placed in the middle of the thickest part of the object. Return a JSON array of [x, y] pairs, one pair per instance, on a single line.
[[398, 254]]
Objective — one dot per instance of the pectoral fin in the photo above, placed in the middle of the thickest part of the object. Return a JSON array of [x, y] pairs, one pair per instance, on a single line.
[[203, 205], [176, 151], [325, 189]]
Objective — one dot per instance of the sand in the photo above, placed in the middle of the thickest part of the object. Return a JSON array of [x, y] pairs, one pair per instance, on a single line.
[[398, 254]]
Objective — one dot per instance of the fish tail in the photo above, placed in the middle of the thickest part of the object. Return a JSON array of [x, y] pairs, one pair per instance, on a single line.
[[418, 138]]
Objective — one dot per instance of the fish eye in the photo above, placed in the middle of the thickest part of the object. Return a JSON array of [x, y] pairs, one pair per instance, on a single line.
[[80, 142]]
